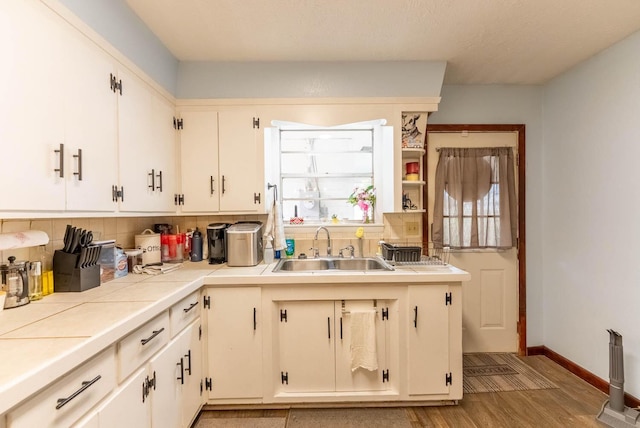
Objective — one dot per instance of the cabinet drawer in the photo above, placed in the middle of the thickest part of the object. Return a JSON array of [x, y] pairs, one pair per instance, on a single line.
[[65, 401], [140, 345], [183, 312]]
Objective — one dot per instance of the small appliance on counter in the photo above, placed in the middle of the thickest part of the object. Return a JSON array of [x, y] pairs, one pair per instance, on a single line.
[[216, 243], [15, 283], [244, 244]]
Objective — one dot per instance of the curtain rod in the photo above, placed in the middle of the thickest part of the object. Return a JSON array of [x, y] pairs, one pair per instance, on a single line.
[[493, 147]]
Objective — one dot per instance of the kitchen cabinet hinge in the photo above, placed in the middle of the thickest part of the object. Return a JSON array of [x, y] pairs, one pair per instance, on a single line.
[[178, 123], [385, 376], [385, 314], [256, 198], [117, 194], [256, 122], [208, 383], [116, 85], [206, 302], [283, 315], [178, 199], [447, 299], [284, 378], [448, 379]]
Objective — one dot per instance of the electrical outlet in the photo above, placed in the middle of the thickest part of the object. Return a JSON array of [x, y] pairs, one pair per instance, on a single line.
[[411, 228]]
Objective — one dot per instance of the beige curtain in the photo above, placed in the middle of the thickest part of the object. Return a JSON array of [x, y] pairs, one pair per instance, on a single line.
[[475, 199]]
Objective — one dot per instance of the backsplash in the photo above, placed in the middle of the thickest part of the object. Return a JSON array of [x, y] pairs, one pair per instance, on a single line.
[[398, 228]]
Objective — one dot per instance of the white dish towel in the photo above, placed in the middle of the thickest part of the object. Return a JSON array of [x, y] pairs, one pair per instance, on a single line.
[[363, 340], [274, 229]]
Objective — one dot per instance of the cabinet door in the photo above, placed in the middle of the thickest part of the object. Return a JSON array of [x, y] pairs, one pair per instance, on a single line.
[[306, 346], [428, 339], [127, 406], [90, 127], [190, 340], [165, 370], [360, 379], [146, 147], [31, 107], [199, 161], [238, 161], [235, 340]]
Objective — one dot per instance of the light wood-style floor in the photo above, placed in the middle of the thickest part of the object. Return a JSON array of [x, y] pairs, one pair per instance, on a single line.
[[574, 404]]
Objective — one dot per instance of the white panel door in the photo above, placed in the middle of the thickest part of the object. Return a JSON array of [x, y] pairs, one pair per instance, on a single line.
[[91, 126], [199, 161], [166, 390], [490, 299], [428, 335], [235, 340], [163, 138], [360, 379], [31, 107], [127, 406], [238, 161], [307, 347]]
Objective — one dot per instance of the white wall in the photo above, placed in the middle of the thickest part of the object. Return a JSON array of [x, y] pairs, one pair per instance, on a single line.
[[499, 104], [591, 210], [116, 22]]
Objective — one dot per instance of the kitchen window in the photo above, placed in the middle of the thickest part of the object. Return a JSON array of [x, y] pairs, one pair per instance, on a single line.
[[475, 204], [317, 169]]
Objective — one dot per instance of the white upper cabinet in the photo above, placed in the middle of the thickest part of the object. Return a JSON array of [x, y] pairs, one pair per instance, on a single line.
[[240, 183], [31, 108], [146, 148], [221, 162], [91, 127], [199, 161]]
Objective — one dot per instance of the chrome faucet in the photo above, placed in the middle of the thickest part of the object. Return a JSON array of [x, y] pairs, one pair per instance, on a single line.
[[328, 238]]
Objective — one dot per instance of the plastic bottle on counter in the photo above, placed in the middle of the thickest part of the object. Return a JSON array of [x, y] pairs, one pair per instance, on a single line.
[[196, 246], [268, 252]]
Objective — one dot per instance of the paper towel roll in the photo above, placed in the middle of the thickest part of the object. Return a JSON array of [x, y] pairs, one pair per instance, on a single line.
[[29, 238]]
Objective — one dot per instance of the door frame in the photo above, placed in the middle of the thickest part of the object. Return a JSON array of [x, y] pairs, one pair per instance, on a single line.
[[521, 328]]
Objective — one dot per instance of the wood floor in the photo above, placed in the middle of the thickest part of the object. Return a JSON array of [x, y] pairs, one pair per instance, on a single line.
[[574, 404]]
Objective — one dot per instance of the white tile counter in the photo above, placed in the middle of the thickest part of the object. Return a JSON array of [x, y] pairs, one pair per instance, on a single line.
[[47, 338]]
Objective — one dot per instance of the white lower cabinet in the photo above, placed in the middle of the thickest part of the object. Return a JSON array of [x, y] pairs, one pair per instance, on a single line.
[[164, 392], [234, 343], [317, 335], [429, 368]]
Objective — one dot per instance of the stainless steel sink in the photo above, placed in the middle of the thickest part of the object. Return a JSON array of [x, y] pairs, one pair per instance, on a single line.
[[324, 264]]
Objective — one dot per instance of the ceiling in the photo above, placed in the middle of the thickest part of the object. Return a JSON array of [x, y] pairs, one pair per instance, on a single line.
[[483, 42]]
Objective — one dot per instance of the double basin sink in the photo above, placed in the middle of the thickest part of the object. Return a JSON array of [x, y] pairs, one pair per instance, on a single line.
[[329, 263]]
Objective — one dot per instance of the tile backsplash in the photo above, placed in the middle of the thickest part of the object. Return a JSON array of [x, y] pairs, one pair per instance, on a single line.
[[398, 228]]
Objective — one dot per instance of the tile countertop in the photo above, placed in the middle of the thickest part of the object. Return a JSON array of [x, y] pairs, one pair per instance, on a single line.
[[47, 338]]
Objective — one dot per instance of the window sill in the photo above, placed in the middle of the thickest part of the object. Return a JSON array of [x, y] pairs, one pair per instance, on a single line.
[[340, 227]]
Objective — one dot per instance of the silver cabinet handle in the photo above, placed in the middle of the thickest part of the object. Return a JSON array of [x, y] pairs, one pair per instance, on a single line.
[[60, 169], [79, 157], [212, 184], [152, 174], [223, 183], [188, 357], [84, 387], [415, 317], [159, 186], [153, 335], [181, 377]]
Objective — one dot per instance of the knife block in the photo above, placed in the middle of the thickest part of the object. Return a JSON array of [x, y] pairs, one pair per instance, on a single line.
[[67, 277]]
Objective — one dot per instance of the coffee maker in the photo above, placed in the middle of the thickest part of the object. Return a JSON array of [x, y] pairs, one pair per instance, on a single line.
[[215, 242], [15, 282]]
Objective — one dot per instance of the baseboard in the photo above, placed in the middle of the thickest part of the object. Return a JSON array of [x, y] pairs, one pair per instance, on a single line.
[[583, 374]]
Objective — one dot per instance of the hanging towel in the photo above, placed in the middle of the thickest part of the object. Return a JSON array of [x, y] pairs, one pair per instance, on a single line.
[[363, 340], [274, 229]]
